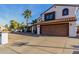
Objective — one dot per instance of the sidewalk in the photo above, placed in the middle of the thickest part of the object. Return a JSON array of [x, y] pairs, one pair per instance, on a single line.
[[28, 44]]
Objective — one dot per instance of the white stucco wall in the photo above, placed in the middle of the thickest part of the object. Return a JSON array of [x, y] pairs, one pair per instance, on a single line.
[[77, 13], [39, 19], [3, 38], [38, 29], [58, 10], [72, 29], [32, 29]]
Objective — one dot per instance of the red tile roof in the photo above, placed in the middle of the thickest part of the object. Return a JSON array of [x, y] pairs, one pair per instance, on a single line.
[[63, 20]]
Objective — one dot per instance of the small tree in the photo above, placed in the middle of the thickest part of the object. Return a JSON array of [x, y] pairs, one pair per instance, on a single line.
[[13, 25], [34, 21]]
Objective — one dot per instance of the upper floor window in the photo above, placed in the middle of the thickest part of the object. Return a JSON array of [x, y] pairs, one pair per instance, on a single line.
[[65, 12], [49, 16]]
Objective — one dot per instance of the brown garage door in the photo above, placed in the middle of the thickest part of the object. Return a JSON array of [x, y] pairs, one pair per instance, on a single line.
[[55, 30]]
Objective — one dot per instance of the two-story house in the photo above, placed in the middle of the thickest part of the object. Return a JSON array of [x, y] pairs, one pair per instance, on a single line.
[[58, 20]]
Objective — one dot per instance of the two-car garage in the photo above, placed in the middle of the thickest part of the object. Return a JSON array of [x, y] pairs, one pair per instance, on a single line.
[[64, 27], [55, 29]]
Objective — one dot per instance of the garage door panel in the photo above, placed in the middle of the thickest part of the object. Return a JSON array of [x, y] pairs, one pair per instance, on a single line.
[[55, 30]]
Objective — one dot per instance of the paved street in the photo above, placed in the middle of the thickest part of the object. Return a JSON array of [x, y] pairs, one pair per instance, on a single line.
[[20, 43]]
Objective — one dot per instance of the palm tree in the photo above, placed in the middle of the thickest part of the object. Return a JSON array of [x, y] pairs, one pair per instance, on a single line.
[[27, 15]]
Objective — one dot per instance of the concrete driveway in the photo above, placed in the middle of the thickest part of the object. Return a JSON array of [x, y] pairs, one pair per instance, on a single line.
[[20, 43]]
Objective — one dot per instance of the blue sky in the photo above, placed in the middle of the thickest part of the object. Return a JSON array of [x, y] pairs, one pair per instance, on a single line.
[[14, 11]]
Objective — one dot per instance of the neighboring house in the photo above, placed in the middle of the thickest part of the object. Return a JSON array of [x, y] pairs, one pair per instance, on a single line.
[[58, 20], [2, 28]]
